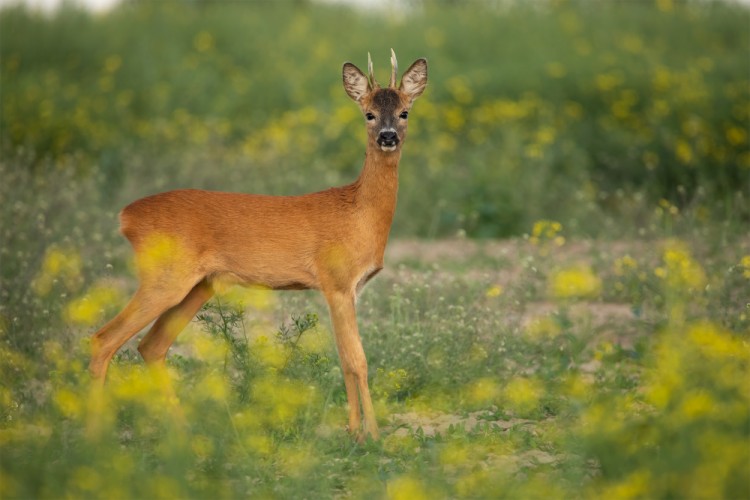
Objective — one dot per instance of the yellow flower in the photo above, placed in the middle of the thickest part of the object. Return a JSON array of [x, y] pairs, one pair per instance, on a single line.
[[160, 251], [697, 405], [683, 151], [575, 282], [456, 454], [636, 485], [736, 136], [680, 270], [556, 70], [204, 41], [482, 391], [93, 305], [607, 81], [625, 265], [58, 264], [542, 327], [494, 291], [523, 393], [745, 263], [407, 488], [69, 403], [209, 349]]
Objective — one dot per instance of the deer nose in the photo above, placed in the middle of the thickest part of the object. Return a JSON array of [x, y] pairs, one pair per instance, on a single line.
[[388, 138]]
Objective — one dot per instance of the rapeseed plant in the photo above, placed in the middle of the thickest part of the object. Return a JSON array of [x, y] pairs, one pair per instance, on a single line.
[[576, 282]]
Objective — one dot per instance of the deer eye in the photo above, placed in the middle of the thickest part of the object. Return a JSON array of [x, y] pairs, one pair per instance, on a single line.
[[370, 117], [404, 115]]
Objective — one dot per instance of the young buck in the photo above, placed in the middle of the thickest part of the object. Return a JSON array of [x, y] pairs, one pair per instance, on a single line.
[[332, 241]]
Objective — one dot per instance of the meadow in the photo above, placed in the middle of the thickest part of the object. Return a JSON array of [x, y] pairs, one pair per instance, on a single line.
[[565, 308]]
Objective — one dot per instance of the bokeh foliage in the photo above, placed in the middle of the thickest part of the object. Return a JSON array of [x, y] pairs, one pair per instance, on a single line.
[[574, 108], [612, 369]]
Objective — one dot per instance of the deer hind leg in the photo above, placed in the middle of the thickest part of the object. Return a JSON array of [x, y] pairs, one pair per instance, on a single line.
[[149, 301], [353, 362], [154, 346]]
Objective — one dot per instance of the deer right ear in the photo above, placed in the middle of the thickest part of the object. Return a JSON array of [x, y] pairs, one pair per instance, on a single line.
[[355, 82]]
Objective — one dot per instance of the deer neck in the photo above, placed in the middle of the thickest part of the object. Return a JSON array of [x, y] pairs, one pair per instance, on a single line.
[[377, 185]]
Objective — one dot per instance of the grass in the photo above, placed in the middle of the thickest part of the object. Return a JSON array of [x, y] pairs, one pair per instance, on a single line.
[[491, 379], [600, 350]]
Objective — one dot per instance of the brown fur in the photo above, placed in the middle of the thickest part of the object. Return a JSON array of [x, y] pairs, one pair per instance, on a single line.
[[332, 241]]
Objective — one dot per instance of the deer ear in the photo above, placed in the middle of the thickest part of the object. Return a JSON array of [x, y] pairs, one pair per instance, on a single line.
[[355, 82], [415, 79]]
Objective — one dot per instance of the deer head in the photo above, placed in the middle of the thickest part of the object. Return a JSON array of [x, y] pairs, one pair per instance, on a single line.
[[386, 109]]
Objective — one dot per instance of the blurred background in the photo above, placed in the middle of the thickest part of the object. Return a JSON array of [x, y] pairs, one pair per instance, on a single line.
[[589, 111], [596, 114]]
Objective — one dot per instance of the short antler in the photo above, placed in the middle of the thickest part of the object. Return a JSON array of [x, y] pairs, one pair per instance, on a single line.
[[373, 82], [394, 70]]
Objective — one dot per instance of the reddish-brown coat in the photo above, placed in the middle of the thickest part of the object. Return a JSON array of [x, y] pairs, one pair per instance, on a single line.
[[332, 240]]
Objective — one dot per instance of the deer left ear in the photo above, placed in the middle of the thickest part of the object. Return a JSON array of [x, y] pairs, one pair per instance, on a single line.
[[414, 80]]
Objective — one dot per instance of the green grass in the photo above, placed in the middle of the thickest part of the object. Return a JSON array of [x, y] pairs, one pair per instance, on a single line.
[[600, 351], [489, 380]]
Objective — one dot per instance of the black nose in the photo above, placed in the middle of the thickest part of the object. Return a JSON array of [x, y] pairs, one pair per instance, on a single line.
[[388, 138]]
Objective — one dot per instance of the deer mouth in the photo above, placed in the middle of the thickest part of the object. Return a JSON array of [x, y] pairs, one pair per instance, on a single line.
[[388, 147]]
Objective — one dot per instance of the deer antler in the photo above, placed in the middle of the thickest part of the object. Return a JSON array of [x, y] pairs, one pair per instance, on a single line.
[[373, 82], [394, 69]]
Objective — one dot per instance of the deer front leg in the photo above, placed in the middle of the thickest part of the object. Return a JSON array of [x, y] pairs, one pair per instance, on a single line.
[[353, 362]]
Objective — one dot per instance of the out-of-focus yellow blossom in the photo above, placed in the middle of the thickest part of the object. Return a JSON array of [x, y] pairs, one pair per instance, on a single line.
[[556, 70], [296, 460], [494, 291], [457, 454], [394, 443], [69, 403], [407, 488], [281, 399], [63, 264], [159, 253], [317, 340], [697, 405], [269, 352], [212, 387], [87, 479], [680, 271], [211, 350], [684, 151], [608, 81], [523, 394], [389, 383], [459, 88], [91, 308], [745, 263], [259, 444], [736, 136], [476, 484], [202, 446], [625, 265], [251, 297], [716, 343], [545, 234], [576, 282], [204, 41], [636, 485], [482, 391], [665, 5], [542, 328]]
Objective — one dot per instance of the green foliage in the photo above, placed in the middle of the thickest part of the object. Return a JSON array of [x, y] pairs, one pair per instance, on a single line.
[[549, 366], [573, 109]]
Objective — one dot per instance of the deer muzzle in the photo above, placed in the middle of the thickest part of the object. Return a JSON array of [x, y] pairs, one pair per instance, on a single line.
[[388, 139]]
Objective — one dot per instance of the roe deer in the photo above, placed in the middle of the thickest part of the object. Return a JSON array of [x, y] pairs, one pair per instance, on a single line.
[[332, 241]]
